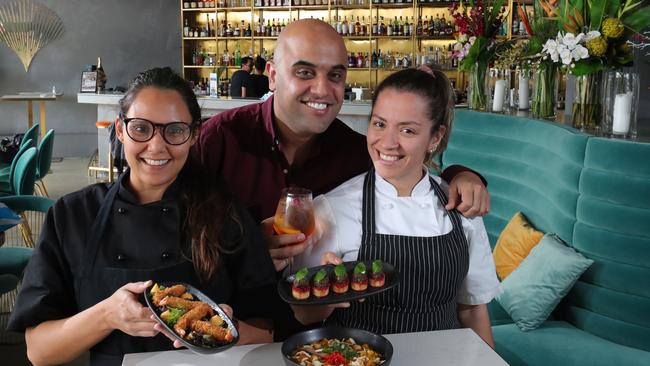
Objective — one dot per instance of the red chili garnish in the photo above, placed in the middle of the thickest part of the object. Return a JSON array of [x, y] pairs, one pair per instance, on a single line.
[[335, 358]]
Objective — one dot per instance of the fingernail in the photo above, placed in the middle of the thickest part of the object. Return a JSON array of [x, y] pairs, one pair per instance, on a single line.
[[301, 236]]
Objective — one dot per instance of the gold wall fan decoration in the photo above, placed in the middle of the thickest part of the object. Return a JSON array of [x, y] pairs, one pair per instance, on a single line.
[[27, 26]]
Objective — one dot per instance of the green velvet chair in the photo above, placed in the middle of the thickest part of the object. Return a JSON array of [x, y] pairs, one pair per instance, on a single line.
[[6, 178], [23, 176], [45, 149], [29, 138], [594, 193]]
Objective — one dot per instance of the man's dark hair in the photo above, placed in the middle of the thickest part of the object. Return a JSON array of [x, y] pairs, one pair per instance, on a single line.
[[245, 60], [260, 64]]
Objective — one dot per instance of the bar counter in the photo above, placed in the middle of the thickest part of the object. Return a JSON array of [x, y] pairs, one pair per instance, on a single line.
[[354, 114]]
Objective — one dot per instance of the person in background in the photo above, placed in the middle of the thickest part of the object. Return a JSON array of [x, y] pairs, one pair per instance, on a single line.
[[259, 84], [163, 220], [241, 79], [397, 213], [295, 139]]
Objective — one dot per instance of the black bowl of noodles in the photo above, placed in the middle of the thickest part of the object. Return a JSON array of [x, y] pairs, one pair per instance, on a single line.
[[337, 345]]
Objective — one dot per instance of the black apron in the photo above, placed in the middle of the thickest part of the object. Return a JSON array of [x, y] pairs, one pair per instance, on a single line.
[[432, 270], [98, 283]]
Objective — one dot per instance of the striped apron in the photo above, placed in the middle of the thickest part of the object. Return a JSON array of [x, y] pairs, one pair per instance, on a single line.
[[432, 270]]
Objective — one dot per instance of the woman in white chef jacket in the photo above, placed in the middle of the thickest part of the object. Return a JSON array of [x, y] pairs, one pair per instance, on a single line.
[[396, 213]]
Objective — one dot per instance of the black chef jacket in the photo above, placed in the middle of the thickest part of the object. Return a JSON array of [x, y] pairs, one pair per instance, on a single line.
[[140, 237]]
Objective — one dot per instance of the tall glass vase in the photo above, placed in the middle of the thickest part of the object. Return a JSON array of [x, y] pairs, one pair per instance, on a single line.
[[545, 91], [620, 104], [587, 104], [476, 96]]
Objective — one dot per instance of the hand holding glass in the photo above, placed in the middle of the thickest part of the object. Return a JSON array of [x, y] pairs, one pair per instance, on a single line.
[[295, 212]]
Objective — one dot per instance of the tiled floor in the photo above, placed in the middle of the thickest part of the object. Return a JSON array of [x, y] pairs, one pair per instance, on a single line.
[[67, 175]]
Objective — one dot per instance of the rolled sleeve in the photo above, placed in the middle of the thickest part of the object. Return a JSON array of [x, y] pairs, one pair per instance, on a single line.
[[481, 284]]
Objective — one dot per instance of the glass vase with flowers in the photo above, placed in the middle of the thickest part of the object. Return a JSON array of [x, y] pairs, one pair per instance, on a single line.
[[478, 23], [593, 36]]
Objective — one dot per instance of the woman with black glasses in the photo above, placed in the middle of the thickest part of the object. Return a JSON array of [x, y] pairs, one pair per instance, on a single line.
[[163, 220]]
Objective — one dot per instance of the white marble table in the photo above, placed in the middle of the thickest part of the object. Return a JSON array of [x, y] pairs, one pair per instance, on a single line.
[[459, 347]]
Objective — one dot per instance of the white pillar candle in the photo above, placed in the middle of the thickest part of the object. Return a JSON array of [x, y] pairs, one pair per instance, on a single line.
[[499, 94], [524, 95], [511, 98], [622, 113]]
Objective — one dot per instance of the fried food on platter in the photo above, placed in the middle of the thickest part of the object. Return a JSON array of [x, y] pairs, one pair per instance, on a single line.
[[219, 333], [179, 302], [195, 314], [159, 293]]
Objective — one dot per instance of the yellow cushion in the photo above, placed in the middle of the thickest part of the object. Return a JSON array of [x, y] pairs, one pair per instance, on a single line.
[[514, 244]]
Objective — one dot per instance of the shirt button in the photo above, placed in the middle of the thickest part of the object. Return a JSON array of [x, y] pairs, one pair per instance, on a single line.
[[424, 206], [387, 206], [165, 255], [285, 171], [120, 257], [121, 210], [165, 210]]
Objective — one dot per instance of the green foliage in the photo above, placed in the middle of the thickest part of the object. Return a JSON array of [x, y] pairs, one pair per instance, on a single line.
[[300, 275], [172, 315], [339, 271], [320, 275], [360, 268], [587, 67], [377, 266], [637, 20]]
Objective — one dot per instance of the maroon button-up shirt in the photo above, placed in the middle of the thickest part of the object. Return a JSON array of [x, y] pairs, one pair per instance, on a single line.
[[242, 147]]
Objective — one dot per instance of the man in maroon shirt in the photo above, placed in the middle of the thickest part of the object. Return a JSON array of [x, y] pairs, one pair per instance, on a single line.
[[295, 139]]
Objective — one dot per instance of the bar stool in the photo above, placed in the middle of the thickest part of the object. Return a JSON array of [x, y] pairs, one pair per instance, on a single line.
[[95, 168]]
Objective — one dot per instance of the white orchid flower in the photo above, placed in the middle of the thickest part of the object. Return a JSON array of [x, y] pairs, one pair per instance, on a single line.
[[550, 46], [458, 46], [472, 39], [580, 52], [555, 56], [570, 40], [462, 38], [591, 35], [566, 57]]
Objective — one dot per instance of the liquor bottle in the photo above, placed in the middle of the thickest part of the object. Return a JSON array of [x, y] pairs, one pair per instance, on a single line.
[[237, 56], [248, 30], [344, 26], [389, 29], [418, 29], [375, 26], [352, 61], [360, 61], [357, 27], [407, 27], [431, 26], [401, 26], [186, 29], [412, 26], [364, 27], [380, 60], [339, 25], [373, 59], [383, 30], [235, 31]]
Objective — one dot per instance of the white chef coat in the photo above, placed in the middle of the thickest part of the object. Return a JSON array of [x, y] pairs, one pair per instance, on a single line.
[[422, 214]]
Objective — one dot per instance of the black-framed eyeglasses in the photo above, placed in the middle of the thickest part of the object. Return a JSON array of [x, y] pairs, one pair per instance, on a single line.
[[143, 130]]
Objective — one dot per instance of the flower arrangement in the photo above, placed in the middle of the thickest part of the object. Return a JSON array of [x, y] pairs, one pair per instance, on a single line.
[[594, 35], [478, 23]]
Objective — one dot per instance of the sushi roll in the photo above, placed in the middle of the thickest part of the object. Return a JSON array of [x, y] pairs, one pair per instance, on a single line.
[[377, 275], [321, 286], [359, 277], [300, 288], [341, 281]]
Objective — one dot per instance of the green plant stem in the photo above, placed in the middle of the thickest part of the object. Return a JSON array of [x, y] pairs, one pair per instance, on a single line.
[[544, 97], [477, 99]]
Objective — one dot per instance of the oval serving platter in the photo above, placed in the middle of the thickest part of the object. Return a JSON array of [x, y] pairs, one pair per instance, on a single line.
[[199, 296], [285, 284]]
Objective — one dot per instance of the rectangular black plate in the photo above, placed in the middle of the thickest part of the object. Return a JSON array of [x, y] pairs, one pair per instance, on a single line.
[[284, 286], [200, 297]]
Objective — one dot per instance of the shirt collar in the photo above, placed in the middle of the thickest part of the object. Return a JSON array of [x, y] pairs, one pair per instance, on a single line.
[[422, 188]]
